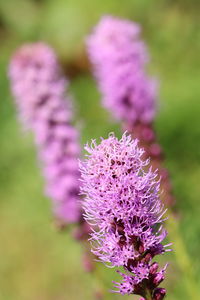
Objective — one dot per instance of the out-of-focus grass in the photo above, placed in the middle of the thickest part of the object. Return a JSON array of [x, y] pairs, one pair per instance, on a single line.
[[36, 262]]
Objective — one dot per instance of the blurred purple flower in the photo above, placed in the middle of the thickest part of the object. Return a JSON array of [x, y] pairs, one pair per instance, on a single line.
[[119, 57], [39, 91], [122, 204]]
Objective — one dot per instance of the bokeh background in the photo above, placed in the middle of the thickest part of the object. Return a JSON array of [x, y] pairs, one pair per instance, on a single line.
[[37, 261]]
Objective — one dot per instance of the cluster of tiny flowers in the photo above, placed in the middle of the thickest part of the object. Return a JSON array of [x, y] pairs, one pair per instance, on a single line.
[[122, 204], [119, 57], [39, 90]]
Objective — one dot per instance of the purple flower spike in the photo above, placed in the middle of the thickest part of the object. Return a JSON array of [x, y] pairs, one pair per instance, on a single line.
[[122, 204], [118, 57], [39, 91]]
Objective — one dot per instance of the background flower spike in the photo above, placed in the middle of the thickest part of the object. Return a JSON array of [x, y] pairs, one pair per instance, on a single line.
[[39, 90]]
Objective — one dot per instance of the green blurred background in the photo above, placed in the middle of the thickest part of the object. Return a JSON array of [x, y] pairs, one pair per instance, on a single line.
[[36, 261]]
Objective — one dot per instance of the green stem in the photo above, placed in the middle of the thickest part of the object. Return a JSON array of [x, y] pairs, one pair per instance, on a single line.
[[184, 262], [148, 295]]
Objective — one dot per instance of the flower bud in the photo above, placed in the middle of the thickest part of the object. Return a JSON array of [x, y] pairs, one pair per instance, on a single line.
[[153, 268], [159, 294], [158, 278]]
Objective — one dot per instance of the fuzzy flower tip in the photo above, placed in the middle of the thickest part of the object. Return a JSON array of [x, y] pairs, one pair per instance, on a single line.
[[39, 90], [118, 57], [123, 206]]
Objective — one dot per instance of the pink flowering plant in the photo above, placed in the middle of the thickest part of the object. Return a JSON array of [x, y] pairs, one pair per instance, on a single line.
[[116, 195], [39, 89], [122, 204], [118, 57]]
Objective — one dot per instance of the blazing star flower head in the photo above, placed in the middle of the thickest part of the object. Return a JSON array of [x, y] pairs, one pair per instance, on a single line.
[[122, 204], [119, 57], [39, 91]]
